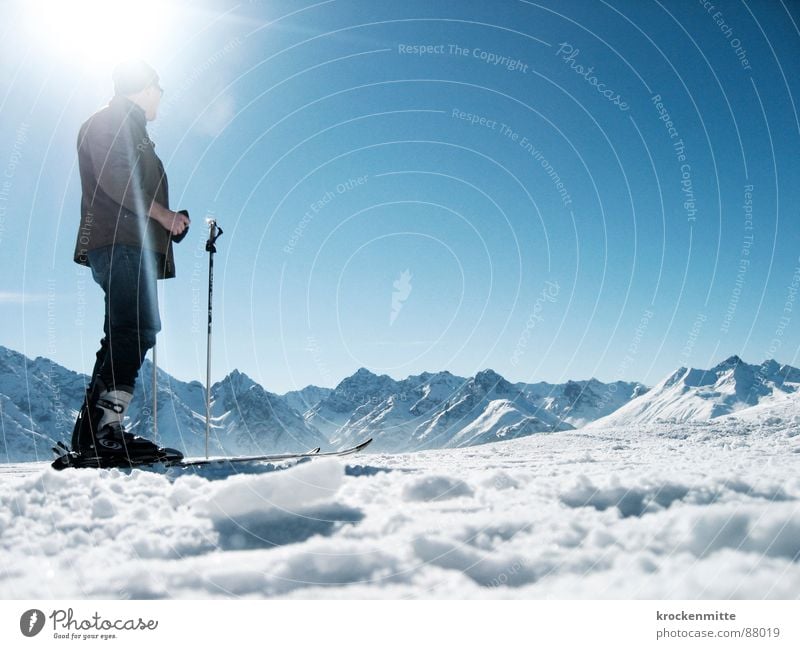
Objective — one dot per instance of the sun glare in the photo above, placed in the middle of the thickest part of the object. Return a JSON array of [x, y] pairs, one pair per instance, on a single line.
[[97, 31]]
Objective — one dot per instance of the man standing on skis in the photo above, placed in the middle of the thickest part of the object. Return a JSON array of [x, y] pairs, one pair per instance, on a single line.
[[125, 237]]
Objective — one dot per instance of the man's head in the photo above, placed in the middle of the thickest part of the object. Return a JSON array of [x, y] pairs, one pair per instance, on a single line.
[[137, 81]]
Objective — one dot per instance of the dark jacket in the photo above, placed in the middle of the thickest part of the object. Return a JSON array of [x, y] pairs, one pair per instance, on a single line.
[[121, 175]]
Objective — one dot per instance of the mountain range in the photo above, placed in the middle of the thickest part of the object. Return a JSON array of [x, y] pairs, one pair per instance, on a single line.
[[39, 400]]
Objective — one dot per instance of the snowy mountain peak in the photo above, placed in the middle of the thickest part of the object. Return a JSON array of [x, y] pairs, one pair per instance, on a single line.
[[488, 375], [490, 380], [699, 395], [353, 388], [351, 394], [236, 381], [771, 367], [731, 361], [364, 377]]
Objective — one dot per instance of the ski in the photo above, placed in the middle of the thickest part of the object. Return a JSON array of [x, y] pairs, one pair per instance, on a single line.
[[200, 461], [268, 458], [173, 458]]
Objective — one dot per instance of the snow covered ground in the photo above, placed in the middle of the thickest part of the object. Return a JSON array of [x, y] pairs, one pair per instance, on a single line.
[[694, 510]]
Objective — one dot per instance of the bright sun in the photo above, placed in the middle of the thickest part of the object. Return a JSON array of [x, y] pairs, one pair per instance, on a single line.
[[97, 31]]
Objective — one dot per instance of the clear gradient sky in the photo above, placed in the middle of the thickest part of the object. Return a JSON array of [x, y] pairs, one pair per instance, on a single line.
[[554, 190]]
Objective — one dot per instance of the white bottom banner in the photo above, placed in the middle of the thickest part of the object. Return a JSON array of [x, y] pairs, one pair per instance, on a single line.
[[304, 623]]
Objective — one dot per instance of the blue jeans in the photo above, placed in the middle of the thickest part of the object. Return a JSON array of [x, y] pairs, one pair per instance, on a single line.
[[127, 275]]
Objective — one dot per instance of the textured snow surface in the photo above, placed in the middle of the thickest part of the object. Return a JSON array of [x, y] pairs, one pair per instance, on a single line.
[[665, 511]]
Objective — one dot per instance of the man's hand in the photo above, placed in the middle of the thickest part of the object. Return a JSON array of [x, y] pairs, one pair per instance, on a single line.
[[174, 222], [178, 223]]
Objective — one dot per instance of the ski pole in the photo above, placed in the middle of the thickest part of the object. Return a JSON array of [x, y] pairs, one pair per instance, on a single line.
[[214, 233], [155, 390]]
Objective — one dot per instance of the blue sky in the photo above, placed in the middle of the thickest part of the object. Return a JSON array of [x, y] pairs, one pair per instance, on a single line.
[[555, 190]]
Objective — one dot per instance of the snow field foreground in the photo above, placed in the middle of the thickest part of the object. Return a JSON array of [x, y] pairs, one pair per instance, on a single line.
[[684, 511]]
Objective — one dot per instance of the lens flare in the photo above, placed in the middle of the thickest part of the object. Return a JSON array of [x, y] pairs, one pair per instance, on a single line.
[[96, 31]]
